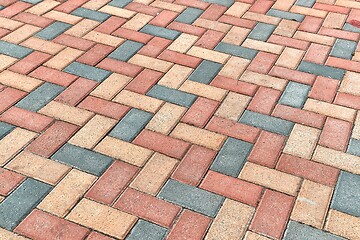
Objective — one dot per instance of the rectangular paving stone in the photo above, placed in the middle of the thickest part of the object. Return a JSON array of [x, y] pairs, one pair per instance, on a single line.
[[154, 174], [77, 92], [9, 181], [231, 157], [343, 224], [20, 203], [299, 231], [83, 159], [43, 45], [131, 125], [236, 35], [5, 129], [181, 45], [119, 3], [118, 223], [307, 169], [313, 210], [9, 96], [184, 227], [263, 80], [86, 71], [102, 38], [290, 58], [125, 151], [337, 159], [22, 33], [322, 70], [286, 15], [63, 17], [263, 46], [148, 207], [191, 197], [233, 188], [111, 86], [189, 15], [66, 113], [13, 142], [162, 143], [14, 50], [335, 134], [208, 54], [262, 31], [94, 130], [74, 185], [309, 12], [331, 110], [354, 146], [270, 178], [19, 81], [39, 225], [90, 14], [226, 3], [305, 3], [113, 182], [335, 21], [145, 230], [347, 194], [267, 149], [126, 50], [172, 95], [139, 101], [268, 123], [305, 117], [238, 9], [9, 24], [231, 222], [235, 50], [166, 118], [343, 49], [234, 67], [295, 94], [233, 129], [38, 167], [119, 12], [233, 106], [63, 58], [151, 63], [203, 90], [53, 30], [350, 84], [40, 97], [205, 72], [198, 136], [160, 32], [272, 214]]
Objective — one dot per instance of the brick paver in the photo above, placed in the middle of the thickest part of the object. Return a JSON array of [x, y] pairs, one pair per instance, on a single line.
[[179, 119]]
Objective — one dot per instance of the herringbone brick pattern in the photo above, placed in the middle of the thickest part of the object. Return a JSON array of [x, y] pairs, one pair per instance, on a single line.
[[179, 119]]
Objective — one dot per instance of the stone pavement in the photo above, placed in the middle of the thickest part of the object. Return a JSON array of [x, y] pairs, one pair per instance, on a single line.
[[179, 119]]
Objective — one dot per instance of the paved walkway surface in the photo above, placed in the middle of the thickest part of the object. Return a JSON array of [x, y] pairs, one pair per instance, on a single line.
[[179, 119]]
